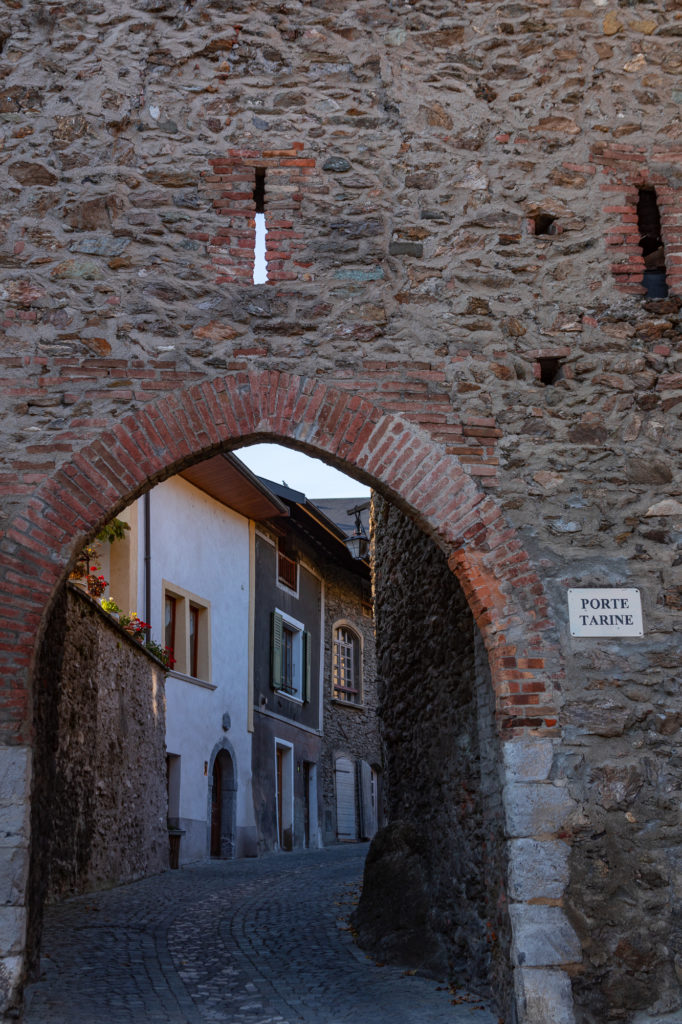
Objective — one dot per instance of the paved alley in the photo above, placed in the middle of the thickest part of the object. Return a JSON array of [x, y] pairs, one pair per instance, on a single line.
[[243, 942]]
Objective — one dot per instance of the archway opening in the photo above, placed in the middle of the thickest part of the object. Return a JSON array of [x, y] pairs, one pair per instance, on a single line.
[[431, 489], [423, 780]]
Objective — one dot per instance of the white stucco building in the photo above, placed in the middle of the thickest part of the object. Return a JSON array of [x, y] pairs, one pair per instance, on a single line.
[[230, 570], [187, 568]]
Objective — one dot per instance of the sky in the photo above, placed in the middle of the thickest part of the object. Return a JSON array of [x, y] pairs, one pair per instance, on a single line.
[[314, 478], [260, 270]]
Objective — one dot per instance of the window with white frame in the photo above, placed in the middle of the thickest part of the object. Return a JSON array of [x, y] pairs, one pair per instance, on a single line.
[[187, 631], [346, 664], [291, 656]]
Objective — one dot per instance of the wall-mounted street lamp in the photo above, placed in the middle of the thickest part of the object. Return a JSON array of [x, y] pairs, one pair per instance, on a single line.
[[358, 542]]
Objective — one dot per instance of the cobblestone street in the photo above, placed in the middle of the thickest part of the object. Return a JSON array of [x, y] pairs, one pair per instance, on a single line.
[[244, 942]]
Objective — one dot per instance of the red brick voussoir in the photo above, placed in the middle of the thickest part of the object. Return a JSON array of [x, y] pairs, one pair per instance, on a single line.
[[349, 430]]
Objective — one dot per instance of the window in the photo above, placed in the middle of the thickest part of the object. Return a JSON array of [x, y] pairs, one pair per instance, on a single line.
[[288, 642], [170, 620], [346, 664], [291, 657], [187, 631], [194, 613], [287, 568]]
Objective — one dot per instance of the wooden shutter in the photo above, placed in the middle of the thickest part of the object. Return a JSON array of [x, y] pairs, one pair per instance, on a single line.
[[307, 663], [276, 651], [346, 828]]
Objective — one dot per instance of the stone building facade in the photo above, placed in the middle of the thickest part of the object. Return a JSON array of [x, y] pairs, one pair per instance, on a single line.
[[99, 791], [189, 565], [309, 734], [287, 705], [455, 313]]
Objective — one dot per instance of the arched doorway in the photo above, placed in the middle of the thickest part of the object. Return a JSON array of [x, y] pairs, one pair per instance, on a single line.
[[403, 463], [223, 793]]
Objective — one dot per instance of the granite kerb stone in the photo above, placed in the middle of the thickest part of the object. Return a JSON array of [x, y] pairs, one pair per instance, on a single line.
[[12, 930], [536, 808], [538, 869], [527, 760], [15, 783], [544, 995], [542, 936]]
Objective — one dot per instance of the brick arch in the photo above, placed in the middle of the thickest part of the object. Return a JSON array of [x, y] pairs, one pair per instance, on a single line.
[[505, 594], [401, 460]]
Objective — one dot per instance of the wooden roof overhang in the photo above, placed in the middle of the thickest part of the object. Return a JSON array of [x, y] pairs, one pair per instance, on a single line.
[[226, 479]]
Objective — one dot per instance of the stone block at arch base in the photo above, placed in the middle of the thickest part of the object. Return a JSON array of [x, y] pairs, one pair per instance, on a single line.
[[15, 787], [543, 996]]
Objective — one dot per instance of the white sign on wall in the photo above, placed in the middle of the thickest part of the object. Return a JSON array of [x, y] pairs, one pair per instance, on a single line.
[[606, 611]]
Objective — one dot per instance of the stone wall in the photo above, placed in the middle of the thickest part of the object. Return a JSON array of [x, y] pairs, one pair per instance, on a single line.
[[442, 750], [617, 855], [349, 730], [623, 764], [99, 797], [461, 322]]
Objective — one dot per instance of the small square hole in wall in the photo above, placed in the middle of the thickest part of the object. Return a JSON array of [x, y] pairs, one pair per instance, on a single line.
[[544, 224], [550, 369]]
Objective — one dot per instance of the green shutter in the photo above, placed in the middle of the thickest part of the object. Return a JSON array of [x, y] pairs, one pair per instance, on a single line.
[[307, 660], [276, 651]]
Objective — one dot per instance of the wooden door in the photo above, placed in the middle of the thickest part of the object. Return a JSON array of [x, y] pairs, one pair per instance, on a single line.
[[306, 798], [216, 805], [280, 794]]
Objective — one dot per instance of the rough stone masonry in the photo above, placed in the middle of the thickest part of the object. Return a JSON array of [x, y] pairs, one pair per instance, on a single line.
[[99, 799], [436, 881], [454, 195]]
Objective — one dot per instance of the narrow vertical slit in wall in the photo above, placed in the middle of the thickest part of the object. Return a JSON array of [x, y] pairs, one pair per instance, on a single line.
[[260, 270], [651, 244]]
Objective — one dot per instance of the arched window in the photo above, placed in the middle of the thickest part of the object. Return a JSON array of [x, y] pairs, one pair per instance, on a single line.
[[346, 664]]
